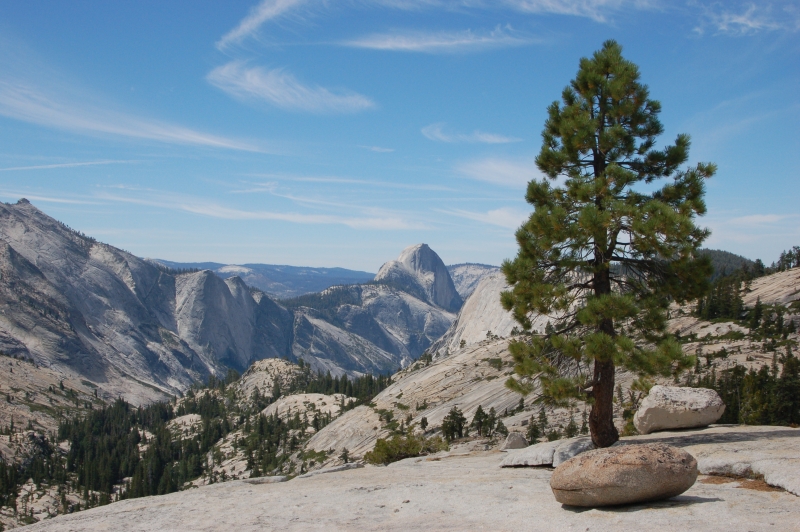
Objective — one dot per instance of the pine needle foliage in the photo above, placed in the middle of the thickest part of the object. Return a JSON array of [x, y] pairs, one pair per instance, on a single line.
[[605, 250]]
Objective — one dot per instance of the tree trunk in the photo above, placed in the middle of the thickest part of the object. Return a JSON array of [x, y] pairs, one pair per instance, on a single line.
[[601, 418]]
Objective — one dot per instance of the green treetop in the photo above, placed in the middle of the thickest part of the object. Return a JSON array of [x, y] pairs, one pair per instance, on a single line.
[[605, 250]]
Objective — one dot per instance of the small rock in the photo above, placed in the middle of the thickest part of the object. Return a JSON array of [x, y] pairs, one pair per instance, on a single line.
[[570, 448], [671, 407], [540, 454], [514, 440], [624, 475]]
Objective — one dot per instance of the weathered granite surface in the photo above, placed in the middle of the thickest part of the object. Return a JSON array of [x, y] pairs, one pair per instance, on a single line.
[[455, 491]]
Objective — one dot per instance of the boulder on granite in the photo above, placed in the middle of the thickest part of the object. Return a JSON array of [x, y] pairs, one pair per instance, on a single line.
[[540, 454], [570, 448], [514, 440], [624, 475], [672, 407]]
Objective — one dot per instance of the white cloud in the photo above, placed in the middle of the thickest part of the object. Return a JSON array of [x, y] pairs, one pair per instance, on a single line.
[[507, 217], [203, 207], [751, 18], [28, 103], [279, 88], [508, 173], [63, 165], [762, 219], [436, 132], [438, 42], [270, 186], [378, 149], [263, 12], [46, 199], [593, 9]]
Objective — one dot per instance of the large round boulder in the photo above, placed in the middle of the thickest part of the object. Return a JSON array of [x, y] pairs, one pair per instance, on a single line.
[[624, 475], [672, 407]]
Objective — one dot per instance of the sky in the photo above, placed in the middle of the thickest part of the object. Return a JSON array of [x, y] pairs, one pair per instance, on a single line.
[[336, 133]]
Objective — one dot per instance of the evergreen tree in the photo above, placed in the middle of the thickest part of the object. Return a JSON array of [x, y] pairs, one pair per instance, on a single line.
[[598, 252], [453, 424], [534, 433]]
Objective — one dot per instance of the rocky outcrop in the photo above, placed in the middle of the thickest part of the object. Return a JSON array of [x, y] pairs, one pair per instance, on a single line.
[[624, 475], [473, 377], [425, 493], [540, 454], [143, 331], [549, 453], [571, 448], [267, 377], [481, 317], [419, 271], [668, 408], [466, 276], [307, 404], [514, 440]]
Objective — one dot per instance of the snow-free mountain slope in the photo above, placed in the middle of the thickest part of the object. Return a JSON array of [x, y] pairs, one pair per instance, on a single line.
[[278, 281], [466, 276], [88, 309], [419, 271]]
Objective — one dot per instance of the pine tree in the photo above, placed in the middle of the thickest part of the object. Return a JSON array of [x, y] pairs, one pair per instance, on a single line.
[[599, 252]]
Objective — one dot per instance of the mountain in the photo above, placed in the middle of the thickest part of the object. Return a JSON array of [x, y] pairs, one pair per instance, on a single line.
[[419, 271], [467, 275], [88, 309], [278, 281], [142, 330], [725, 262]]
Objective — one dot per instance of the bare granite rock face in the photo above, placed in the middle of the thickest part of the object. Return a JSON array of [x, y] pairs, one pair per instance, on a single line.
[[422, 273], [481, 317], [467, 276], [671, 407], [514, 440], [571, 448], [466, 491], [143, 331], [540, 454], [624, 475]]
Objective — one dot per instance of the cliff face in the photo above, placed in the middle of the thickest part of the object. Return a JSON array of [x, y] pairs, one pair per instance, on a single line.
[[420, 271], [140, 331], [467, 276], [86, 308]]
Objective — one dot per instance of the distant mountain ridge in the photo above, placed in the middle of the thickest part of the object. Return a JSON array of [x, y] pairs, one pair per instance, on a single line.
[[142, 330], [278, 281]]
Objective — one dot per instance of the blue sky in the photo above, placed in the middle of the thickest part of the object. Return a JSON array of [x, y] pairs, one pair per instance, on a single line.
[[337, 133]]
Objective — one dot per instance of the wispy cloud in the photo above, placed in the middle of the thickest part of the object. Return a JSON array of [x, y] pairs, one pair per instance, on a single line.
[[762, 219], [439, 42], [504, 172], [507, 217], [281, 89], [29, 103], [47, 199], [750, 18], [597, 10], [270, 186], [436, 132], [265, 11], [203, 207], [63, 165], [377, 149]]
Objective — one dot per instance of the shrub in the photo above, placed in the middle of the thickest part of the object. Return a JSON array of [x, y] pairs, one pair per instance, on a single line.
[[403, 446]]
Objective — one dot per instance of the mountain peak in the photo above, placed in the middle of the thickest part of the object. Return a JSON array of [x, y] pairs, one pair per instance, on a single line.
[[421, 271]]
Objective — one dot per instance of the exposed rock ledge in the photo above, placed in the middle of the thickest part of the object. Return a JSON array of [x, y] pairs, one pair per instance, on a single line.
[[469, 491]]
